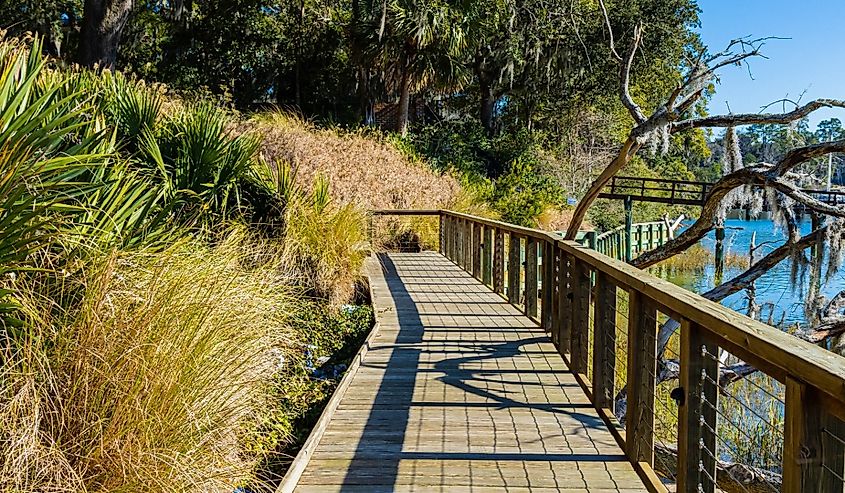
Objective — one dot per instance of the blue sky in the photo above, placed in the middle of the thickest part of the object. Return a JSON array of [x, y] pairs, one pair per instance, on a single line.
[[812, 60]]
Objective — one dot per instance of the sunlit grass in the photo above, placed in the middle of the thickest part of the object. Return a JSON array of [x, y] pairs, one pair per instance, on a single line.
[[155, 380]]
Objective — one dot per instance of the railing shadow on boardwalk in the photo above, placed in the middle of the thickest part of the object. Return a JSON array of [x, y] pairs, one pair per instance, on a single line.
[[395, 396]]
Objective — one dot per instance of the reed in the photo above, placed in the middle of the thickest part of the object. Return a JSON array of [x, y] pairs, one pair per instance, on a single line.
[[154, 380]]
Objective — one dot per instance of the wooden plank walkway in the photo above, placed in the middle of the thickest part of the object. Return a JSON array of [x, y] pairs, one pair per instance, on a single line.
[[460, 392]]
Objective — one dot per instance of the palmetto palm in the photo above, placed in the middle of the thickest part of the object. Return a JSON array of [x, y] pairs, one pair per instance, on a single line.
[[423, 45], [63, 188]]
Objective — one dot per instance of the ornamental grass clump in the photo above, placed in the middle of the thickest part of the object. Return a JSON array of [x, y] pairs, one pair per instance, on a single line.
[[325, 243], [155, 380]]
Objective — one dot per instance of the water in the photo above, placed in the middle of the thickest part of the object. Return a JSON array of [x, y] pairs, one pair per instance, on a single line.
[[775, 292]]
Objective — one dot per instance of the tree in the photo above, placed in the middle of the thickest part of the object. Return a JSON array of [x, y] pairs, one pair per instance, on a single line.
[[424, 42], [54, 20], [826, 131], [103, 22], [775, 180]]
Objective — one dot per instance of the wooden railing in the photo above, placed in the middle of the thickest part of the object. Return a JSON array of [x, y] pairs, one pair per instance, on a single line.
[[685, 192], [642, 237], [674, 192], [604, 317]]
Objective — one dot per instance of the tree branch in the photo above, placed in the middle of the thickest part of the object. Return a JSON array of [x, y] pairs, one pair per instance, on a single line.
[[609, 31], [756, 118], [625, 78], [744, 280]]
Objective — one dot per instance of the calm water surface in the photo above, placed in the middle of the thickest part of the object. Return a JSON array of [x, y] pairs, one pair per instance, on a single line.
[[775, 292]]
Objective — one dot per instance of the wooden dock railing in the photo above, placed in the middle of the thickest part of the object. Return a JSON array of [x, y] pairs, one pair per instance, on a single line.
[[641, 237], [669, 398]]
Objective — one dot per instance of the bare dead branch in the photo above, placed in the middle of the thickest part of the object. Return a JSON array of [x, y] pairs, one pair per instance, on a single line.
[[629, 149], [756, 118], [798, 195], [835, 306], [625, 78], [742, 281], [754, 174], [802, 154], [832, 327], [609, 31]]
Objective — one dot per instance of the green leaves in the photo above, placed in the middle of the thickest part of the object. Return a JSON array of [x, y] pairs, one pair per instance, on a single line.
[[200, 162]]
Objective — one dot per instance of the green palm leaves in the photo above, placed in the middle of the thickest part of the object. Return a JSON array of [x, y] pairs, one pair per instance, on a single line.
[[200, 163], [48, 141], [90, 162]]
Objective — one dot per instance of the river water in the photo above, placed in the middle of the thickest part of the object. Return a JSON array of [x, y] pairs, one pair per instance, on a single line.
[[775, 291]]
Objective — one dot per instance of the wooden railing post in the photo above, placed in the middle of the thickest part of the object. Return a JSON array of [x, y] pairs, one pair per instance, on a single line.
[[456, 238], [642, 367], [487, 257], [531, 277], [452, 237], [499, 262], [604, 342], [463, 243], [697, 411], [468, 246], [580, 335], [476, 250], [449, 236], [805, 457], [547, 284], [564, 304], [441, 235], [554, 295], [514, 269], [458, 243]]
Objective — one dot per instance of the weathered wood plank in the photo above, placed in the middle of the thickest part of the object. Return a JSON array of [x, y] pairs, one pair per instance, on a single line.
[[565, 305], [546, 285], [554, 299], [812, 448], [697, 411], [514, 269], [604, 342], [579, 346], [476, 249], [641, 382], [487, 257]]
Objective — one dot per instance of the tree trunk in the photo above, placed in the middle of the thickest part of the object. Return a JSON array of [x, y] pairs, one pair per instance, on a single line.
[[404, 101], [102, 25], [629, 149], [488, 102], [182, 10], [298, 76]]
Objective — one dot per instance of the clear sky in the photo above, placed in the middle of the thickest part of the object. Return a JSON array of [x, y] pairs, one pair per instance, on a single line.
[[813, 60]]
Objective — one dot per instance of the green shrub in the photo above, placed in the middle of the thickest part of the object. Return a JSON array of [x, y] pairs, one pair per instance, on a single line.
[[328, 338], [521, 195], [503, 171]]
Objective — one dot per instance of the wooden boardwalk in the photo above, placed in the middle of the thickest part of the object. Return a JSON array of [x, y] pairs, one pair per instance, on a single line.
[[460, 392]]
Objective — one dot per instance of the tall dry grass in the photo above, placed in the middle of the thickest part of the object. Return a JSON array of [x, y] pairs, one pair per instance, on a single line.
[[697, 258], [363, 168], [325, 247], [154, 380]]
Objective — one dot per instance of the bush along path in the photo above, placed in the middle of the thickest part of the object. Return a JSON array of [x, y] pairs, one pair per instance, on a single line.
[[309, 377], [173, 307]]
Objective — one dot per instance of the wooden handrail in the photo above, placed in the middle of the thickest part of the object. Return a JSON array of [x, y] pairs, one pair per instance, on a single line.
[[772, 351], [572, 280], [405, 212]]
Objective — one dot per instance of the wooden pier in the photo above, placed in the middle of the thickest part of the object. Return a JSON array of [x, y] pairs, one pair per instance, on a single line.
[[497, 364], [460, 391]]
